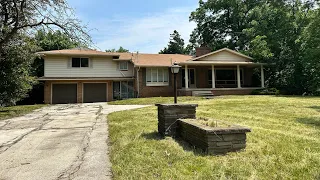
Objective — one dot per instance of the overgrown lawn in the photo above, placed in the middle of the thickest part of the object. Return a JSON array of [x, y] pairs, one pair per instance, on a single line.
[[284, 142], [154, 100]]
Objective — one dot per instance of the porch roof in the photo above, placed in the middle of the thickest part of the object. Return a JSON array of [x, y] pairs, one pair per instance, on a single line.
[[203, 63]]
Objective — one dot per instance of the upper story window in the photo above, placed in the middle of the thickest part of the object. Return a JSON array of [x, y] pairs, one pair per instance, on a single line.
[[157, 77], [123, 66], [80, 62]]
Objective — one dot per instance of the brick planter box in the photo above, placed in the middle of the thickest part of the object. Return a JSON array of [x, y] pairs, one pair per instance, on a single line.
[[213, 140], [168, 115]]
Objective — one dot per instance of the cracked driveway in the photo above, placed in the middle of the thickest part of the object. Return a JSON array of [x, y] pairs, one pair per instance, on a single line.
[[58, 142]]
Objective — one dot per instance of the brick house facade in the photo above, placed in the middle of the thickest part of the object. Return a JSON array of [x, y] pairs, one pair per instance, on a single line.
[[85, 75]]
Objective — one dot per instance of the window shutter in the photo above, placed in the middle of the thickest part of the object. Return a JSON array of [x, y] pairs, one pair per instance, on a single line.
[[144, 77]]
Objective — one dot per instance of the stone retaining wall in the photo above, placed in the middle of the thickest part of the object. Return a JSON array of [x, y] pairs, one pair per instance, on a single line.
[[213, 140]]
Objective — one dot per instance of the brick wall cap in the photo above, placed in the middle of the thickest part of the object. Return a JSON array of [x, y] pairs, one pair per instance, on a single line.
[[176, 105], [233, 129]]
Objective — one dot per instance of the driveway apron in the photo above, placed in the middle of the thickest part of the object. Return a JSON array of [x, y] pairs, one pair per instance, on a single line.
[[58, 142]]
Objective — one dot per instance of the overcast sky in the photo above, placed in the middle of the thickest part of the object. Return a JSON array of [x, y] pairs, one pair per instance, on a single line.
[[139, 25]]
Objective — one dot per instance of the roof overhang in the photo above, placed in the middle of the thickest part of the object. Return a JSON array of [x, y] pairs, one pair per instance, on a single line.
[[74, 54], [203, 63], [83, 78], [220, 50], [122, 59], [137, 65]]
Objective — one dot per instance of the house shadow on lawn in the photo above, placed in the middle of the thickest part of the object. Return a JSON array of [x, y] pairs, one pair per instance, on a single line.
[[315, 107], [185, 145], [311, 121]]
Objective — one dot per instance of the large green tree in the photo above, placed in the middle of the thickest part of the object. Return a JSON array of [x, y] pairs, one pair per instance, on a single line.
[[21, 17], [15, 64], [269, 31], [175, 45]]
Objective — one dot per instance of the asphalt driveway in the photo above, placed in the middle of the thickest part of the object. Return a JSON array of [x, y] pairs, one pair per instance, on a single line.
[[58, 142]]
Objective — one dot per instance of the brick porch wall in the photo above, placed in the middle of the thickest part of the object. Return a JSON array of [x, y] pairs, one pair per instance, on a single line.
[[232, 92], [48, 85]]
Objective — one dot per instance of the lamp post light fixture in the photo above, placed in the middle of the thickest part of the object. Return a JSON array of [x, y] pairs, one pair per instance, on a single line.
[[175, 70]]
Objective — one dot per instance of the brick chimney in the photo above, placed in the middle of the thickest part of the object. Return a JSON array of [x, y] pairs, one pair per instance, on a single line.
[[202, 50]]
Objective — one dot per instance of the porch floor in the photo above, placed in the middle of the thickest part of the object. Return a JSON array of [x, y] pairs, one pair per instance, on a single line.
[[219, 89], [216, 91]]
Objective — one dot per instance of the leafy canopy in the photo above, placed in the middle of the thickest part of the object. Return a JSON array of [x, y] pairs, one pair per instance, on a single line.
[[281, 32], [175, 45], [120, 50]]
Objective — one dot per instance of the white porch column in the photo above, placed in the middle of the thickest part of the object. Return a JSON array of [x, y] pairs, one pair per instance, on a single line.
[[186, 76], [238, 76], [213, 78], [262, 77]]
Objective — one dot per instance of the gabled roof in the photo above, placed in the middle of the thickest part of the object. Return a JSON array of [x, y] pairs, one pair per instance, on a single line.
[[220, 50]]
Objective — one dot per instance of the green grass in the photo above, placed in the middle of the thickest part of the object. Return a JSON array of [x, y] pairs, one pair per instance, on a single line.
[[284, 142], [13, 111], [154, 100]]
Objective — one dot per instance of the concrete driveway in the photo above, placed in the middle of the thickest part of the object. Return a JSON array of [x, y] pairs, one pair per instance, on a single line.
[[58, 142]]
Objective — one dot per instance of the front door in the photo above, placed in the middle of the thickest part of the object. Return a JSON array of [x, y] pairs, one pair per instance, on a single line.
[[192, 78]]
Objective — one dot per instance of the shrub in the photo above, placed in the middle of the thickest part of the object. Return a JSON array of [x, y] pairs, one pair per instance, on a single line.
[[266, 91]]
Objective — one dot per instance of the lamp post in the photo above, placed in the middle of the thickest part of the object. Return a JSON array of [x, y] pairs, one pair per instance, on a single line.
[[175, 70]]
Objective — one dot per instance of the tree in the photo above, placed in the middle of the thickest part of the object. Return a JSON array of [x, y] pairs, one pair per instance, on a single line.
[[15, 79], [120, 50], [19, 15], [221, 23], [311, 54], [51, 40], [269, 31], [175, 45]]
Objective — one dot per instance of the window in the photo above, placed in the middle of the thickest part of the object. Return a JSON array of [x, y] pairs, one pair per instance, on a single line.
[[80, 62], [123, 90], [123, 66], [157, 77]]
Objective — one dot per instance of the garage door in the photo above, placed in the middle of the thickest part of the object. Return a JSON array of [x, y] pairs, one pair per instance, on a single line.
[[94, 92], [64, 93]]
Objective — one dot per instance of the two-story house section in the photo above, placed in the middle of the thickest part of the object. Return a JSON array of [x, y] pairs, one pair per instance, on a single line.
[[84, 75]]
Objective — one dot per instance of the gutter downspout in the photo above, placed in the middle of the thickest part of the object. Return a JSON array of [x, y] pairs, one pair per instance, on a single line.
[[138, 84], [138, 69]]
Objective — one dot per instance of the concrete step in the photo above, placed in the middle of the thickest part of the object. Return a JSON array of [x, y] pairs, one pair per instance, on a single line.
[[202, 93]]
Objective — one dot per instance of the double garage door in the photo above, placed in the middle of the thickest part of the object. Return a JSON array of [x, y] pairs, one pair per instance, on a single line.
[[67, 93]]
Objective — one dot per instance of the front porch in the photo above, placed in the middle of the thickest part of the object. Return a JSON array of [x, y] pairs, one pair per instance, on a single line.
[[231, 79]]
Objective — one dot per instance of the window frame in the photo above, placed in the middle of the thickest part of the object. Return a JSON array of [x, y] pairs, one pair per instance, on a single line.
[[89, 62], [152, 82], [127, 66]]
